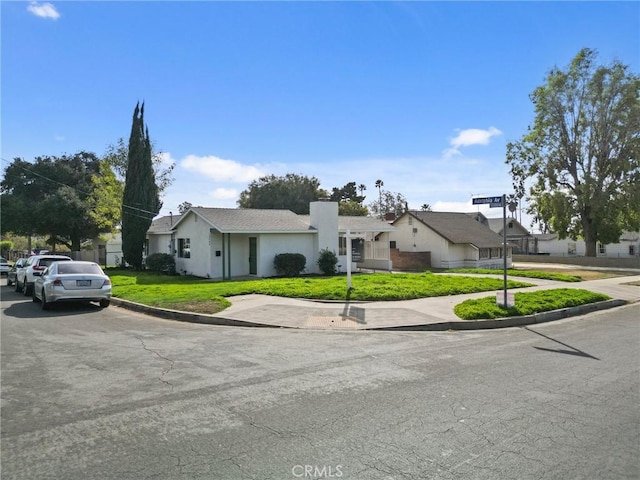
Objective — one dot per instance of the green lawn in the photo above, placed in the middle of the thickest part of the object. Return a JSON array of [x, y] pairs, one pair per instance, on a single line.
[[559, 277], [194, 293], [527, 303]]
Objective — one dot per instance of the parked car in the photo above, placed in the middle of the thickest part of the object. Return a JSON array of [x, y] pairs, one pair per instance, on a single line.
[[72, 282], [36, 264], [13, 271], [4, 266]]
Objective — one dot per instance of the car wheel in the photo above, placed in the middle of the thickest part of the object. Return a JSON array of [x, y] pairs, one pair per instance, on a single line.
[[44, 305], [26, 289], [18, 287], [9, 282], [33, 295], [104, 303]]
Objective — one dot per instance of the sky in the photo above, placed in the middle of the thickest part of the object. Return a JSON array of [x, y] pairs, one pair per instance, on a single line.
[[421, 95]]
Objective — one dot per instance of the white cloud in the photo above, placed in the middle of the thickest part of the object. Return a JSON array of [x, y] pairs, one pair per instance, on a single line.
[[468, 137], [43, 10], [165, 158], [225, 194], [222, 170]]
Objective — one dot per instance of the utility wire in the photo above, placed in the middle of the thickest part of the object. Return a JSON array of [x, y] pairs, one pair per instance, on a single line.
[[138, 209]]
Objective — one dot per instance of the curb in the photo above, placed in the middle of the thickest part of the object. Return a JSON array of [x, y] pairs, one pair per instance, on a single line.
[[440, 326], [507, 322]]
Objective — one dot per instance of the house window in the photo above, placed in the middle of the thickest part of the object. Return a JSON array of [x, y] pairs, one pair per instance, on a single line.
[[602, 249], [184, 248], [392, 244], [632, 250], [571, 248], [495, 253], [342, 246], [410, 220], [484, 253]]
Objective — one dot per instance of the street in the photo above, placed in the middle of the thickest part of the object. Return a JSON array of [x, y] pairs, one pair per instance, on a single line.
[[112, 394]]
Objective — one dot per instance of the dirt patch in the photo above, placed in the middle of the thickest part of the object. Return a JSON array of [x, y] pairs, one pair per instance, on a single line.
[[200, 306]]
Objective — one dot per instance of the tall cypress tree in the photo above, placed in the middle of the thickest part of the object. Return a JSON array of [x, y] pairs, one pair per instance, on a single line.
[[140, 202]]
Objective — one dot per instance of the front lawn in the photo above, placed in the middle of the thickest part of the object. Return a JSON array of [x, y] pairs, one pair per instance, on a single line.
[[173, 291], [560, 277], [527, 303]]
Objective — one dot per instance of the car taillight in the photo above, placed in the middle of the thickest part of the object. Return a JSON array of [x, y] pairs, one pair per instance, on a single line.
[[38, 267], [57, 282], [106, 282]]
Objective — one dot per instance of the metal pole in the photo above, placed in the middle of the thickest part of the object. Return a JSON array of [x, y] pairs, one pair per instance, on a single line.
[[504, 245]]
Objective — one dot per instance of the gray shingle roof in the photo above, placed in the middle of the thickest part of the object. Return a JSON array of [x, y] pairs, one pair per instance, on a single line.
[[249, 220], [358, 224], [163, 224], [459, 228]]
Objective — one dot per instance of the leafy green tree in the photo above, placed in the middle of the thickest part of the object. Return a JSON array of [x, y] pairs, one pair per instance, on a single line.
[[117, 155], [140, 200], [581, 157], [389, 202], [347, 193], [352, 209], [291, 192], [56, 197]]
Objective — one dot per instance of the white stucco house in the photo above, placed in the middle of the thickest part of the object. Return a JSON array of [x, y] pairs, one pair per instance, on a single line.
[[454, 240], [550, 244], [224, 243]]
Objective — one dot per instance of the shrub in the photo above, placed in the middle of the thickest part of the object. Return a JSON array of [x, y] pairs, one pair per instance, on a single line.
[[289, 264], [327, 261], [161, 263]]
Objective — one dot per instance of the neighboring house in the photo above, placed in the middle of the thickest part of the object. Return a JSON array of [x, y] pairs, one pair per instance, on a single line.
[[550, 244], [105, 250], [232, 242], [518, 237], [453, 240]]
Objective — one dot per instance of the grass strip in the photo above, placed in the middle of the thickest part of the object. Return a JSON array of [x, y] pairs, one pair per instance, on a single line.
[[527, 303], [560, 277]]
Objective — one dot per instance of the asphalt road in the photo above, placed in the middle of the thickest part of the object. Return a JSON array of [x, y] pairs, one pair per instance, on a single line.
[[111, 394]]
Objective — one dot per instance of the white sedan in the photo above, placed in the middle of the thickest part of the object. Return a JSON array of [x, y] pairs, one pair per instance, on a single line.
[[72, 282]]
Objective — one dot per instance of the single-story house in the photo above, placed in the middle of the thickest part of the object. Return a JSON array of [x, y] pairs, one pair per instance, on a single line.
[[518, 237], [550, 244], [453, 240], [234, 242]]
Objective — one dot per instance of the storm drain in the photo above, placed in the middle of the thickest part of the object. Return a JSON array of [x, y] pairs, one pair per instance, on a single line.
[[332, 321]]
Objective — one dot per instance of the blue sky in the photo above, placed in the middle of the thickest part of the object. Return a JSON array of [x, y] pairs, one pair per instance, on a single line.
[[422, 95]]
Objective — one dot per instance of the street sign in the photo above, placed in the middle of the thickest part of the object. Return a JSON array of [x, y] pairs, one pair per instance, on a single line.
[[492, 201]]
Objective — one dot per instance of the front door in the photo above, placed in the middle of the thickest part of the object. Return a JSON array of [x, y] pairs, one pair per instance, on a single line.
[[253, 254]]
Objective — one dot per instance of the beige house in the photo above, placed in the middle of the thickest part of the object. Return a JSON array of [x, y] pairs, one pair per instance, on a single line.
[[445, 240]]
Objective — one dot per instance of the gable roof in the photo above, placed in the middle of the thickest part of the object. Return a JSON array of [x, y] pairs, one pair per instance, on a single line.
[[251, 220], [163, 224], [458, 228], [496, 224]]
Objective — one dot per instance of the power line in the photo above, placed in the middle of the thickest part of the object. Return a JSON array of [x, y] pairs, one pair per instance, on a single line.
[[77, 189]]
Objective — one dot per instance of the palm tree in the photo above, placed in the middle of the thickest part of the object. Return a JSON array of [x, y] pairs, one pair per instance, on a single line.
[[362, 187], [379, 185], [425, 207]]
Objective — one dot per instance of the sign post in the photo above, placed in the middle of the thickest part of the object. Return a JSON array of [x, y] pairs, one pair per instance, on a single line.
[[493, 202]]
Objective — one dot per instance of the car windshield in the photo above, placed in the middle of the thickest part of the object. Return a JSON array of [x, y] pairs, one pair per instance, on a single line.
[[72, 267]]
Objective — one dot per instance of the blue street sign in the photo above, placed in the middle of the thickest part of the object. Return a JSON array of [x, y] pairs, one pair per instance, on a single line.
[[492, 201]]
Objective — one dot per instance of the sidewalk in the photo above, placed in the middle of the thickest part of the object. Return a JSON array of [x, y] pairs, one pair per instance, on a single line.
[[434, 313]]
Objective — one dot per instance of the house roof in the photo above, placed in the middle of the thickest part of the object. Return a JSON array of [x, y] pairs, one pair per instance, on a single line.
[[251, 220], [163, 224], [358, 224], [496, 225], [458, 228]]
